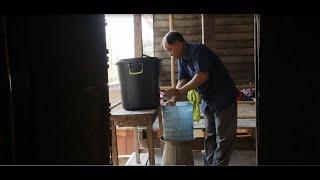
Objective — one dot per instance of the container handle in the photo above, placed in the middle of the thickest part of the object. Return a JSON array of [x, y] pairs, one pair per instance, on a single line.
[[135, 73], [143, 55]]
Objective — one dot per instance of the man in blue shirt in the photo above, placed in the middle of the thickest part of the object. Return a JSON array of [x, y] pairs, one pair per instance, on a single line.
[[201, 69]]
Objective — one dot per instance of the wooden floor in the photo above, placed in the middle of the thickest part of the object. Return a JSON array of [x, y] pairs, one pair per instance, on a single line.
[[238, 158]]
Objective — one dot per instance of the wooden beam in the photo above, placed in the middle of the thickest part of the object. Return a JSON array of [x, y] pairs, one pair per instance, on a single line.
[[173, 78], [208, 30], [138, 49], [136, 135]]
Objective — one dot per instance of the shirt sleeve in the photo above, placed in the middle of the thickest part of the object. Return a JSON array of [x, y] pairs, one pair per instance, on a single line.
[[204, 60], [182, 72]]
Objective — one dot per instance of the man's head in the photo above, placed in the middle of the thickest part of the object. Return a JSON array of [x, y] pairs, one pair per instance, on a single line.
[[174, 43]]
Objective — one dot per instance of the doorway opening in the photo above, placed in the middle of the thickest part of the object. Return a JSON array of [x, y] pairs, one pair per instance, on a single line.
[[235, 38]]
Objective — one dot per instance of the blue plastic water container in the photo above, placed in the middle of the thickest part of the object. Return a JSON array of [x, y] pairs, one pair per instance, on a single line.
[[178, 122]]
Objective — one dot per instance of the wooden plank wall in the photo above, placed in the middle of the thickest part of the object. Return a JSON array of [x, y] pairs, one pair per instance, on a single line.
[[234, 41]]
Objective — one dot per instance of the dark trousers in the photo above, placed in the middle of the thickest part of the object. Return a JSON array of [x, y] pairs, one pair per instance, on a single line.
[[221, 130]]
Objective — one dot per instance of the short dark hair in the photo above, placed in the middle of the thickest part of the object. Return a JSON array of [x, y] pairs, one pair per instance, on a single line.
[[172, 37]]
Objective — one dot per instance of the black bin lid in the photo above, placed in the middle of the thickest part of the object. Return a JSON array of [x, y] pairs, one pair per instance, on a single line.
[[137, 60]]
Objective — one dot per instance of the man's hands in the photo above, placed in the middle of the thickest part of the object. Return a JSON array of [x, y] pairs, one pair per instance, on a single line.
[[184, 86], [169, 93], [172, 101]]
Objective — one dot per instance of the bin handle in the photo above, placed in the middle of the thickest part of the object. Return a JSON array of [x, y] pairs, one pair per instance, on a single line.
[[135, 73]]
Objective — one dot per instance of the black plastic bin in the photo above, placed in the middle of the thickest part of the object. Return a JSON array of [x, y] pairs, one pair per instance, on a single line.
[[139, 82]]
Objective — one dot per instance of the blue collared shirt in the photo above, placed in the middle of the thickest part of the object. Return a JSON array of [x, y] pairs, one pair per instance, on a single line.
[[219, 90]]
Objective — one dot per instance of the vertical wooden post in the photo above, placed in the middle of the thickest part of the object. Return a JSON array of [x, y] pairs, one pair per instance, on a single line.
[[173, 71], [137, 139], [159, 112], [7, 151], [150, 141], [138, 52], [257, 77], [115, 159], [208, 31], [138, 49]]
